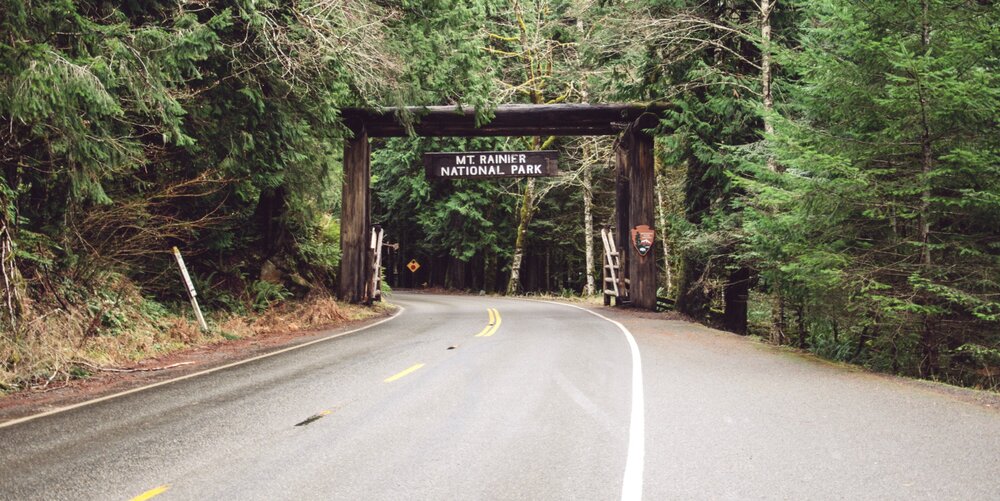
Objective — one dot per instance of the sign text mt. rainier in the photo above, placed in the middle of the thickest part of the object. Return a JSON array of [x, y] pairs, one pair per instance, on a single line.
[[484, 164]]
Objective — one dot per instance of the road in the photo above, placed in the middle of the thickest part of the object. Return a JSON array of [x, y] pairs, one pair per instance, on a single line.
[[461, 397]]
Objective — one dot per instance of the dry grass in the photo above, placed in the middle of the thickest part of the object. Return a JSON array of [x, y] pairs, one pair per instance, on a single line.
[[67, 343], [60, 350], [312, 313]]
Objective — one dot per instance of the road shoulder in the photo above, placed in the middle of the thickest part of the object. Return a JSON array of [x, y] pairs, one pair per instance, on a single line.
[[171, 366], [648, 326]]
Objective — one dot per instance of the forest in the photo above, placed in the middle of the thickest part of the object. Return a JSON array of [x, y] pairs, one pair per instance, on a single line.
[[828, 171]]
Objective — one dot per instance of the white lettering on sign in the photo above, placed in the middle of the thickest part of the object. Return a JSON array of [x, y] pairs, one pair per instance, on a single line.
[[502, 158], [491, 164], [489, 170], [526, 169], [472, 170]]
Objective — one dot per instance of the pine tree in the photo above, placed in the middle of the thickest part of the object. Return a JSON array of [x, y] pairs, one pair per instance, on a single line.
[[888, 209]]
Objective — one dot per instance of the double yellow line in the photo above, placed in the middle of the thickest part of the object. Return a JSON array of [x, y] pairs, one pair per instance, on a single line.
[[494, 324], [487, 331]]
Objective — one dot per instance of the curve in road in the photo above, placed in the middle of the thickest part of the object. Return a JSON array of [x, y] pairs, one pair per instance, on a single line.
[[415, 407]]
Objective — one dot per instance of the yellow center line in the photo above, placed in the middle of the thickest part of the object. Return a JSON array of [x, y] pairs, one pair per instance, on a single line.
[[403, 373], [489, 325], [151, 493], [496, 325]]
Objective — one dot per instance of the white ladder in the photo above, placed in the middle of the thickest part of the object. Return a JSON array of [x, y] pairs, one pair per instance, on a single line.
[[613, 284], [375, 284]]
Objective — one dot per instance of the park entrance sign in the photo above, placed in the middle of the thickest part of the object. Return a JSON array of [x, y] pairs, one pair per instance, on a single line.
[[492, 164], [634, 174]]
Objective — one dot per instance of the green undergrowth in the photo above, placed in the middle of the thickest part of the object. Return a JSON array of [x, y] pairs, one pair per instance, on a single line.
[[842, 338]]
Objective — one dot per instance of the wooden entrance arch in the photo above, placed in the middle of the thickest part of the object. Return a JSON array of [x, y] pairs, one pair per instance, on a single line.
[[635, 177]]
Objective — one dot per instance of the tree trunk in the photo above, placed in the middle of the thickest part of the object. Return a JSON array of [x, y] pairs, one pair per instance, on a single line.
[[925, 150], [455, 274], [691, 297], [621, 222], [778, 318], [766, 6], [662, 213], [735, 295], [800, 313], [13, 284], [490, 272], [270, 212], [527, 207], [928, 366], [548, 270], [778, 335], [588, 227]]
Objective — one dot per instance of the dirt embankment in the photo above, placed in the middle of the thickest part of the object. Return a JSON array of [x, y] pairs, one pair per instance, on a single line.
[[292, 326]]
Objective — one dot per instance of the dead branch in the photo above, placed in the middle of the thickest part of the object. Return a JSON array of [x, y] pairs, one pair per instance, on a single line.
[[134, 369]]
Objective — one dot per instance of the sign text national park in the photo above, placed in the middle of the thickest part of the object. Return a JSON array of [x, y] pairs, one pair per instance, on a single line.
[[482, 164]]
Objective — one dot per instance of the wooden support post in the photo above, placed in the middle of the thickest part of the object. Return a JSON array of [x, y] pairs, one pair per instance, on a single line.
[[638, 159], [355, 219]]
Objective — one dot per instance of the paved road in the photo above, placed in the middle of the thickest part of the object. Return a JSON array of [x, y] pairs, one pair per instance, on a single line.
[[539, 406]]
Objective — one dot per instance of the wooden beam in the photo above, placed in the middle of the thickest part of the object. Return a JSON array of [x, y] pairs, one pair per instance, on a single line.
[[355, 219], [642, 183], [508, 120]]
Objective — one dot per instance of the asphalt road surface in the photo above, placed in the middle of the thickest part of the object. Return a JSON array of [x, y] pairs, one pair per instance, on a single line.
[[462, 397]]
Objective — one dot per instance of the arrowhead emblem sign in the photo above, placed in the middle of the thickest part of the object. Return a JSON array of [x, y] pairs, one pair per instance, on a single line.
[[642, 239]]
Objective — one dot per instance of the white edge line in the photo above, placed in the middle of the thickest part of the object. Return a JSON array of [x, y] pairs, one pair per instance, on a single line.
[[196, 374], [634, 463]]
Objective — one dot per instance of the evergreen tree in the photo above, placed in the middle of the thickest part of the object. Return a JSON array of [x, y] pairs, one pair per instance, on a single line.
[[887, 227]]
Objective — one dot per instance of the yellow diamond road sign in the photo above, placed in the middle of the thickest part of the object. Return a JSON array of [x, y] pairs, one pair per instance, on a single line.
[[413, 265]]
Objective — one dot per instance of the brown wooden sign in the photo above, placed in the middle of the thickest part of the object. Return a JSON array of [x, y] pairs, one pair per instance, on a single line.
[[491, 164], [642, 239]]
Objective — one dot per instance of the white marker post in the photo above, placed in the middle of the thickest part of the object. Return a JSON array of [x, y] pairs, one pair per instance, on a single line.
[[190, 289]]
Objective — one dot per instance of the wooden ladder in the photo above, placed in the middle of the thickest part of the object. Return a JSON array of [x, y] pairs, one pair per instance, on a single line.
[[613, 284], [375, 284]]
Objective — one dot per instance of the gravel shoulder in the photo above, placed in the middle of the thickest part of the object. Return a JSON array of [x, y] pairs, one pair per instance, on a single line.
[[647, 325]]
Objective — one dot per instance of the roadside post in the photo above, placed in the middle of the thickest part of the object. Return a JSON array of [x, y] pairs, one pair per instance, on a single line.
[[189, 286]]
